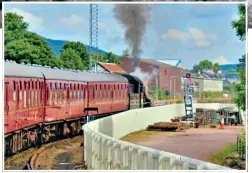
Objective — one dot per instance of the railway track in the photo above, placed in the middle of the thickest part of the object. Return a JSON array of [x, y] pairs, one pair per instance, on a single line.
[[62, 154]]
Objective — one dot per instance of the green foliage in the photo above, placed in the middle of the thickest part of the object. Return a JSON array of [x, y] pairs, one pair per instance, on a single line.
[[24, 46], [80, 50], [162, 95], [240, 90], [111, 58], [210, 94], [14, 27], [229, 89], [240, 25], [205, 64], [220, 156], [242, 145], [71, 59], [179, 101], [216, 67]]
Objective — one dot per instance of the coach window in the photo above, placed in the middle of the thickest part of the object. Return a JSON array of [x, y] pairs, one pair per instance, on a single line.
[[35, 93], [75, 94], [64, 93], [114, 91], [25, 87], [61, 93], [100, 92], [122, 95], [32, 95], [118, 91], [105, 92], [93, 92], [55, 93], [20, 90], [29, 93], [39, 89], [14, 91], [50, 94]]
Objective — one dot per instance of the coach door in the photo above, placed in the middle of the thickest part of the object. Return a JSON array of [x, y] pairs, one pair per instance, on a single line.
[[6, 106]]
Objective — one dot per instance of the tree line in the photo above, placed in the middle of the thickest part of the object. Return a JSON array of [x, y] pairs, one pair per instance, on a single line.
[[24, 46]]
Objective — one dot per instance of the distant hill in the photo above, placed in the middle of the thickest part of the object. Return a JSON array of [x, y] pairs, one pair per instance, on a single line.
[[226, 67], [56, 45]]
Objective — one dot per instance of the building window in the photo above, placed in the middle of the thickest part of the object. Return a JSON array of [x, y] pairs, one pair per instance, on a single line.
[[165, 72]]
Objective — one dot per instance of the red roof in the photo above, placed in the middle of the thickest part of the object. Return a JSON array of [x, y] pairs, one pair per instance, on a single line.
[[112, 67]]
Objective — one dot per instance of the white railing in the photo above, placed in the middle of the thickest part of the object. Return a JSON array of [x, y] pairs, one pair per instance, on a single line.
[[104, 151]]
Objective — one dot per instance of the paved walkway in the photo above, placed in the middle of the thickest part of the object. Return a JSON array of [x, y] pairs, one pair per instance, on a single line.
[[196, 143]]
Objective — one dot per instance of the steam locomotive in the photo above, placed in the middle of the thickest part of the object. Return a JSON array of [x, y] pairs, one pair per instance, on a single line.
[[43, 103]]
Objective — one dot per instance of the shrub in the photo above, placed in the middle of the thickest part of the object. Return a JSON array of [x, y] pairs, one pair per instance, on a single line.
[[179, 101], [242, 145]]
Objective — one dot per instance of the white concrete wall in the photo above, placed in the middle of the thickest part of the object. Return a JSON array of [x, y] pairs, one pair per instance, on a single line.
[[104, 150]]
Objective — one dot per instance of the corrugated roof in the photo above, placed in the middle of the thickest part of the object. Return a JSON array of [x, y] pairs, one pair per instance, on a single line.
[[112, 67]]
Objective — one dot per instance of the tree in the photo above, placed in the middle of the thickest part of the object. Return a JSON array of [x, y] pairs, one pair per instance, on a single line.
[[240, 25], [111, 58], [125, 53], [24, 46], [240, 94], [205, 65], [80, 50], [14, 27], [97, 57], [71, 59], [216, 67]]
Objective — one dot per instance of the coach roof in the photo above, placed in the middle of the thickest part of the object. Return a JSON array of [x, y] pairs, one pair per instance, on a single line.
[[20, 70]]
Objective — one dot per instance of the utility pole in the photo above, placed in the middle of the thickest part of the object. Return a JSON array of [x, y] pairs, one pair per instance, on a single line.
[[93, 33]]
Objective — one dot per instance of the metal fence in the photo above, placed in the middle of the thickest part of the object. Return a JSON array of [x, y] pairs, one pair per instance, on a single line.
[[241, 146]]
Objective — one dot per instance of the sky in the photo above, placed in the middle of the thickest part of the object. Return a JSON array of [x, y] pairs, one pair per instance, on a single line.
[[189, 32]]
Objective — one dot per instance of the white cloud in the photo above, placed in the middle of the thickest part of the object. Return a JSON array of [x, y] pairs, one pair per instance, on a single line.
[[199, 38], [175, 34], [73, 20], [36, 23], [221, 60]]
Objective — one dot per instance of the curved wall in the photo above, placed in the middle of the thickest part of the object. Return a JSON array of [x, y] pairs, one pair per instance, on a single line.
[[104, 150]]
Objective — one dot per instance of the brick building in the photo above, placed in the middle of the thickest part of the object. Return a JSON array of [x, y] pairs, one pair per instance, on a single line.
[[165, 76]]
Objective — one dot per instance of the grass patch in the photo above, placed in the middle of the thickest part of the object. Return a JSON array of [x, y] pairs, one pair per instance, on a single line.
[[220, 156], [139, 135]]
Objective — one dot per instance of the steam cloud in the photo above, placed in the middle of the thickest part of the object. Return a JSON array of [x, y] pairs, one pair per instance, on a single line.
[[144, 76], [134, 17]]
